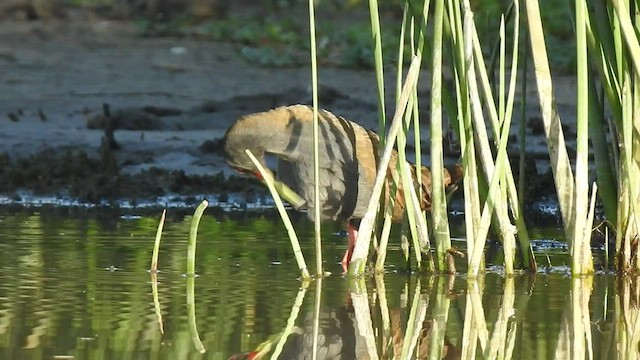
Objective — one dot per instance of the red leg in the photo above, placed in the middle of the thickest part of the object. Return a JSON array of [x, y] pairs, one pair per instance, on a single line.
[[353, 235]]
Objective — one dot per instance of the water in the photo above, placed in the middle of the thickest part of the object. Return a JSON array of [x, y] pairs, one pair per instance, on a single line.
[[75, 284]]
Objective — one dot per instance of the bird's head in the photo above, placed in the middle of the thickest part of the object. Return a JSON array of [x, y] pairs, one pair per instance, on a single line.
[[240, 161], [237, 158], [264, 134]]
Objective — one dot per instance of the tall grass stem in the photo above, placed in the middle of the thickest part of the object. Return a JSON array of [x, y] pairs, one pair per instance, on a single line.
[[156, 245], [379, 66], [193, 235], [316, 156], [438, 198], [295, 244], [560, 164], [358, 260], [191, 314]]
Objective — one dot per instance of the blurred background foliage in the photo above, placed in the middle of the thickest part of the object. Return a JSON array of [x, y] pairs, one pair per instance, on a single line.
[[274, 33]]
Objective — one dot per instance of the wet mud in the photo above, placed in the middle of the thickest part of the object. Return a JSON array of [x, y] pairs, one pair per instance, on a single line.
[[93, 110]]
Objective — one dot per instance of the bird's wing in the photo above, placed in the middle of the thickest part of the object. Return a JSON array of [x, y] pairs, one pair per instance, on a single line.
[[339, 169]]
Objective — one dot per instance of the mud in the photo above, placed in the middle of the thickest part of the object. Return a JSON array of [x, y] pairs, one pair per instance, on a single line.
[[169, 101]]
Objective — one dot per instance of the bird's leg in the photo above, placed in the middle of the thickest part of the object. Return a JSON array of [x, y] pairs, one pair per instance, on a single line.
[[352, 231]]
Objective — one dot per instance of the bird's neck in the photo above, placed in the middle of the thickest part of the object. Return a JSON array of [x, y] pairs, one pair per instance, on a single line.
[[266, 139], [259, 137]]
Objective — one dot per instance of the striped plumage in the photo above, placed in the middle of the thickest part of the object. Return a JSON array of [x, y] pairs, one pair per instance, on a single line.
[[348, 156]]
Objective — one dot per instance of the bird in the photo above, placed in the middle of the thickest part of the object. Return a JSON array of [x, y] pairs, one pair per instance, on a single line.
[[348, 158], [338, 337]]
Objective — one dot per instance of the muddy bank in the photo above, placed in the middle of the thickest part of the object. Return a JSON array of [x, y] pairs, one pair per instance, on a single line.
[[170, 100]]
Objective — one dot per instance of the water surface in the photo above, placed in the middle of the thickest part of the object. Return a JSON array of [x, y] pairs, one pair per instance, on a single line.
[[75, 284]]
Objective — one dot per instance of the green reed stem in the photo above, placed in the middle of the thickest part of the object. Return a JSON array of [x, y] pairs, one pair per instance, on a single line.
[[522, 131], [316, 156], [191, 311], [193, 235], [156, 301], [156, 245], [423, 231], [405, 176], [629, 174], [601, 41], [440, 314], [288, 194], [438, 198], [297, 251], [384, 235], [381, 293], [414, 322], [291, 321], [389, 204], [358, 260], [417, 140], [597, 127], [560, 164], [467, 86], [628, 32], [362, 316], [403, 26], [379, 66], [579, 260], [316, 317], [501, 69], [509, 240], [510, 243], [505, 228], [586, 246], [407, 183], [500, 164]]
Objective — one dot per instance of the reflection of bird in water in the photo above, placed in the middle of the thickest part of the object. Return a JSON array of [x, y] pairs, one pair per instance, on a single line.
[[336, 339], [348, 158], [449, 351], [339, 339]]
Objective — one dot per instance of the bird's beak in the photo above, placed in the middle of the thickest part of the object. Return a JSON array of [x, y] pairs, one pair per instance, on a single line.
[[242, 171], [239, 170]]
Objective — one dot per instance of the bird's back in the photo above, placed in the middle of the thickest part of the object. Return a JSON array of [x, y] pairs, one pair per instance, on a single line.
[[348, 158], [347, 164]]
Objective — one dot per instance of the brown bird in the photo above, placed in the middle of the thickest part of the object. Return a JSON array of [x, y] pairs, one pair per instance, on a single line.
[[348, 158]]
